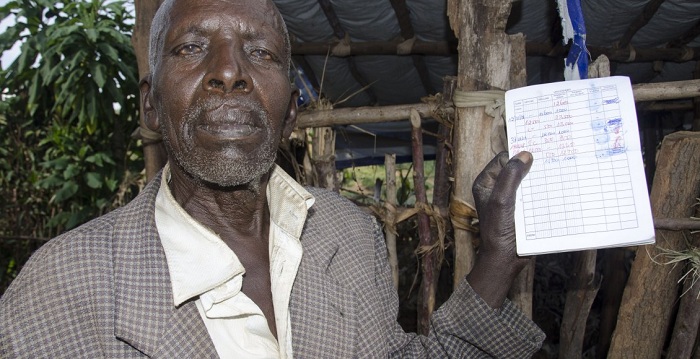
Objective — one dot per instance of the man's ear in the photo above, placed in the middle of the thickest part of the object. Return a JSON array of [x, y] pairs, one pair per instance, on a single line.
[[150, 115], [291, 120]]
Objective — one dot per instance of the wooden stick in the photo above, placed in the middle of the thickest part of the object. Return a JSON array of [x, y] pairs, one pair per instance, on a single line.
[[375, 114], [666, 90], [360, 115], [582, 291], [583, 284], [612, 287], [686, 105], [446, 48], [677, 224], [323, 158], [687, 321], [642, 19], [441, 191], [696, 100], [390, 166], [427, 293]]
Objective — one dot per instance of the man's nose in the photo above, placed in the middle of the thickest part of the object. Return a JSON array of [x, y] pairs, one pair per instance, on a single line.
[[227, 73]]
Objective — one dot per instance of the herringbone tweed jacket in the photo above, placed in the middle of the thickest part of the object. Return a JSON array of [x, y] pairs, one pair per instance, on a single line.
[[103, 291]]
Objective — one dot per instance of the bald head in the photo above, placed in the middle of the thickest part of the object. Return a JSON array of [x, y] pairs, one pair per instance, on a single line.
[[161, 24]]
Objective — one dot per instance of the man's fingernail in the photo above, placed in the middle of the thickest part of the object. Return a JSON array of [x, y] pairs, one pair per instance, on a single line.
[[524, 156]]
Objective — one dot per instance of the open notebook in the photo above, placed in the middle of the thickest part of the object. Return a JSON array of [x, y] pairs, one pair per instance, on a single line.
[[586, 188]]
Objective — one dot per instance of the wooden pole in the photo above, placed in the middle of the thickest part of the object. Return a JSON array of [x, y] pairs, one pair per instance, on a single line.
[[389, 233], [686, 328], [375, 114], [361, 115], [583, 282], [696, 100], [441, 191], [666, 90], [583, 286], [612, 288], [484, 64], [652, 289], [428, 283], [323, 158]]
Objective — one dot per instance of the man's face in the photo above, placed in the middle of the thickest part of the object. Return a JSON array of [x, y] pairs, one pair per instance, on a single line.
[[220, 89]]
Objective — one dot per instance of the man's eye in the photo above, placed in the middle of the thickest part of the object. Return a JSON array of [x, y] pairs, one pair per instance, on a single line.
[[262, 54], [189, 49]]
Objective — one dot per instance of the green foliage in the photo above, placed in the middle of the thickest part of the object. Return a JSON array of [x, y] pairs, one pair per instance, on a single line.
[[358, 183], [69, 104]]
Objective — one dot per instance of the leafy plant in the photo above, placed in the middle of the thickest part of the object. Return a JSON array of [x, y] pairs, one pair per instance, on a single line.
[[69, 104]]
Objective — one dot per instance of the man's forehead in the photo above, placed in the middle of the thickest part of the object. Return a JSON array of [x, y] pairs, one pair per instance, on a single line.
[[263, 8], [251, 16]]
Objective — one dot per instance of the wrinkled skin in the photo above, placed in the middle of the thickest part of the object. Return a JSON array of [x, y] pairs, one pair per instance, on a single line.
[[220, 92], [494, 192]]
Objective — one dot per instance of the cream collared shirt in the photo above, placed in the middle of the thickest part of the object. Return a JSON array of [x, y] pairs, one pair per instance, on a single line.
[[202, 266]]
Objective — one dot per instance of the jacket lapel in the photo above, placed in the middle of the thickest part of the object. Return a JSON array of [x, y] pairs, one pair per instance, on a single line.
[[322, 307], [145, 316]]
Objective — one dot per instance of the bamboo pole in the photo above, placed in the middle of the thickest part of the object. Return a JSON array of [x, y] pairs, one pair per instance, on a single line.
[[428, 282], [375, 114], [391, 203]]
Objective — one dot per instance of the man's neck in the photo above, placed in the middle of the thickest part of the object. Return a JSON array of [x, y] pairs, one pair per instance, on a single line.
[[236, 214]]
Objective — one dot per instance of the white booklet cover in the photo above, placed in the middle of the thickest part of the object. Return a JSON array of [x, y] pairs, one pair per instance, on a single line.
[[586, 188]]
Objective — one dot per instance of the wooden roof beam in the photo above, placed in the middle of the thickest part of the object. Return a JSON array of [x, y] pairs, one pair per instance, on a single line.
[[649, 10], [404, 18], [445, 48]]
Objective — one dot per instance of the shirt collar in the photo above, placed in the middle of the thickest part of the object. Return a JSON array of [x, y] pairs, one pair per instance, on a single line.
[[198, 260]]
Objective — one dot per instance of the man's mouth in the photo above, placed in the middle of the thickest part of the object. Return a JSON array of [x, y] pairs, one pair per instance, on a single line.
[[226, 122], [229, 130]]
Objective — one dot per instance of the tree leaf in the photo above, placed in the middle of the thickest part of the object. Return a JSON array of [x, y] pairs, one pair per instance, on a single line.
[[67, 191], [93, 180], [98, 72]]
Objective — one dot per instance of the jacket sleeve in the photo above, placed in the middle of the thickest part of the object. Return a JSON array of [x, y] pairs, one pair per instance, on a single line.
[[463, 327]]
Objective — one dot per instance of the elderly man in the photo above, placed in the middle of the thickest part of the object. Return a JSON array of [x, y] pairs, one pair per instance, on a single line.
[[224, 255]]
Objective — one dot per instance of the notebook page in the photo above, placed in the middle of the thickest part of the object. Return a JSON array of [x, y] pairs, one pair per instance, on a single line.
[[586, 188]]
